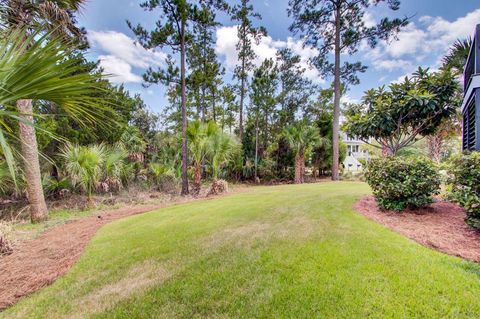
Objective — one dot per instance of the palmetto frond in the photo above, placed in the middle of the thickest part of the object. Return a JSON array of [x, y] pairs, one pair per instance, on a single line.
[[83, 164], [458, 54], [199, 135], [53, 16], [301, 137], [222, 147], [41, 68]]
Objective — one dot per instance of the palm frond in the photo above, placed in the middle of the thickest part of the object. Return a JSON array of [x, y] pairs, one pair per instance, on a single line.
[[41, 68], [458, 54]]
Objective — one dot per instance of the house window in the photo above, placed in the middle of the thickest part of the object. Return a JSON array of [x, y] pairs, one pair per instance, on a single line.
[[352, 149]]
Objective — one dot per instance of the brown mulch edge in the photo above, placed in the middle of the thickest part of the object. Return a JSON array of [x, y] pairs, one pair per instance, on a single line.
[[38, 262], [440, 226]]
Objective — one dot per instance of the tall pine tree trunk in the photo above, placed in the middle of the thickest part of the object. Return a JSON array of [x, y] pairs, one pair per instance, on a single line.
[[242, 97], [214, 113], [28, 140], [184, 114], [242, 90], [336, 101]]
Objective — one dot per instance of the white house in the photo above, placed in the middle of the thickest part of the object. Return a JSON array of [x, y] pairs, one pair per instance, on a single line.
[[355, 151]]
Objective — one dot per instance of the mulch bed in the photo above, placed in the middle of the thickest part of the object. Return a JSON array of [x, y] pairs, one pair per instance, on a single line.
[[440, 226]]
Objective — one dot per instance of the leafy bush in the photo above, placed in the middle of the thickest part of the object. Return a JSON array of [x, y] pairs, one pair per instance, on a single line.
[[400, 183], [163, 177], [464, 185], [55, 187], [84, 165]]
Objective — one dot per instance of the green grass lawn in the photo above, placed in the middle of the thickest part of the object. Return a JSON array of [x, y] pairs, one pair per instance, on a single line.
[[271, 252]]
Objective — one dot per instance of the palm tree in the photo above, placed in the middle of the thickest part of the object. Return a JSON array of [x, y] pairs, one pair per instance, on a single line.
[[40, 67], [54, 17], [132, 142], [84, 165], [114, 163], [457, 55], [222, 147], [301, 139], [199, 135]]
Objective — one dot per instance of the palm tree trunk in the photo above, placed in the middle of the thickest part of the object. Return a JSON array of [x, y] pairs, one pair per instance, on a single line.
[[28, 140], [184, 114], [298, 169], [302, 167], [197, 179], [336, 101]]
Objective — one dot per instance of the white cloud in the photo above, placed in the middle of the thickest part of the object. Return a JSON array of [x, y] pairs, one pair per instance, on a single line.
[[267, 48], [119, 70], [369, 20], [422, 43], [122, 55], [446, 31], [410, 41], [394, 64]]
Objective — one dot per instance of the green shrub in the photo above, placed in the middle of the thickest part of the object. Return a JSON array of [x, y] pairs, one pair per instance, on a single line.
[[400, 183], [464, 185]]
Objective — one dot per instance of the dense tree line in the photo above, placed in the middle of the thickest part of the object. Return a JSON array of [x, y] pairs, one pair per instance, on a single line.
[[269, 123]]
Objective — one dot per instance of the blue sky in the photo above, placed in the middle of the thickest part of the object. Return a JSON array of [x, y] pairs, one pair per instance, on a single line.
[[434, 26]]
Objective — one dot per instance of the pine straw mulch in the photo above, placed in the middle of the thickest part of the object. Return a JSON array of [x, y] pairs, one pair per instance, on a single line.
[[440, 226], [38, 262]]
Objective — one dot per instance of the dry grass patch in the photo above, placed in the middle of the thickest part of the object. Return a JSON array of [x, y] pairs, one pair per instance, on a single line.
[[137, 280]]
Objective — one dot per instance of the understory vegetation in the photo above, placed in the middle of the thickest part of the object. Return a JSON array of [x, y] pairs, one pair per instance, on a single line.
[[464, 185], [400, 183]]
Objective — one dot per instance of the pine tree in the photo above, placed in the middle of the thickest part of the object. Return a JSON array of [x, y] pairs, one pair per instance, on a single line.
[[205, 70], [173, 29], [338, 26], [263, 99], [244, 14], [296, 90]]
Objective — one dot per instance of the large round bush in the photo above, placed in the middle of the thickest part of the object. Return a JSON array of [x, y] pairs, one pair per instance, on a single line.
[[464, 184], [400, 183]]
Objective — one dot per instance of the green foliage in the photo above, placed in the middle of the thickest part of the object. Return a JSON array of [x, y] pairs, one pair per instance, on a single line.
[[41, 67], [302, 138], [400, 183], [7, 183], [222, 149], [199, 136], [132, 140], [457, 55], [410, 109], [163, 176], [464, 185], [315, 21], [83, 165], [113, 167], [296, 91]]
